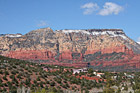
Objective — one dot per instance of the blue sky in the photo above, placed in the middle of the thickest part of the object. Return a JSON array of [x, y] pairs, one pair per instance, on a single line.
[[22, 16]]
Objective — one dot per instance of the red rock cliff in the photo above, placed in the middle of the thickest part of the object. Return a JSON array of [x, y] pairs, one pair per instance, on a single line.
[[104, 46]]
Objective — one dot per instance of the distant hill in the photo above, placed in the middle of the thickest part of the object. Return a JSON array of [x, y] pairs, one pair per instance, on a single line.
[[102, 48]]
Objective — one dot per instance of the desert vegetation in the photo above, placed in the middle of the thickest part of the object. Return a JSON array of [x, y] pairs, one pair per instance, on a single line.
[[19, 75]]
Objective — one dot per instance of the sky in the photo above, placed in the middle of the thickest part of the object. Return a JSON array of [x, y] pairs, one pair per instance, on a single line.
[[22, 16]]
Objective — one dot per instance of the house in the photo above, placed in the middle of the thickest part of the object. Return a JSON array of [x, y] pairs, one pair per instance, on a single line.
[[128, 76], [98, 74], [114, 77], [79, 70], [95, 78]]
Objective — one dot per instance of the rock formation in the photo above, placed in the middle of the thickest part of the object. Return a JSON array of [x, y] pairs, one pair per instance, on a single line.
[[100, 47]]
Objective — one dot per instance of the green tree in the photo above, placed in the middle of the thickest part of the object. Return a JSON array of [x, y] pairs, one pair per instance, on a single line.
[[52, 83], [86, 91], [119, 90], [6, 73], [4, 77], [90, 71], [38, 79]]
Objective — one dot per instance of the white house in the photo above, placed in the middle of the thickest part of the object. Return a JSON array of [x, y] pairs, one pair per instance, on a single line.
[[79, 70]]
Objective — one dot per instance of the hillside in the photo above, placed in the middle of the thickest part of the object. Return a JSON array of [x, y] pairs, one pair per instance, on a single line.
[[16, 75]]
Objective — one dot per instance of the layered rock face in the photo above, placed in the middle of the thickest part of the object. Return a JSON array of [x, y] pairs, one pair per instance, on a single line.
[[100, 47]]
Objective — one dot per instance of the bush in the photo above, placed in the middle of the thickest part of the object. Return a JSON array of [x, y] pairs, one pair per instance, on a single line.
[[6, 73], [0, 80], [13, 72], [18, 76], [90, 71], [47, 82], [52, 83], [1, 72], [12, 76], [13, 89], [41, 84], [38, 79], [4, 78], [27, 82], [86, 91]]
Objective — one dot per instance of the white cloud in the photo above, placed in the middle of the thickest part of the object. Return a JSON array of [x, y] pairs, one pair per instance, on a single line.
[[89, 8], [42, 23], [110, 8]]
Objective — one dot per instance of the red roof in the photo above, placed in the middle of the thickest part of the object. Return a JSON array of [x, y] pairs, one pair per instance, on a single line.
[[91, 78]]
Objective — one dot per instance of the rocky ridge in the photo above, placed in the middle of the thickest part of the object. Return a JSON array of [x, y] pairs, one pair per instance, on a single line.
[[100, 47]]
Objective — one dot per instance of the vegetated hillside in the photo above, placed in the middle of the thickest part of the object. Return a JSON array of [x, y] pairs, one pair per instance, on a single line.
[[108, 48], [18, 75]]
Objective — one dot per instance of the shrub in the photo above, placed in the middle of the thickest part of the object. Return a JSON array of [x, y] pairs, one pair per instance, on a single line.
[[52, 83], [1, 72], [6, 73], [38, 79], [4, 77]]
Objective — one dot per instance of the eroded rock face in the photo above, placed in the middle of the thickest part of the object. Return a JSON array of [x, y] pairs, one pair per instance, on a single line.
[[97, 46], [31, 54]]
